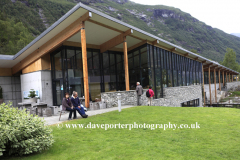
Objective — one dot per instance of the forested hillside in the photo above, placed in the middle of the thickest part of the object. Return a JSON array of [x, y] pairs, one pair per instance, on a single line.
[[165, 22]]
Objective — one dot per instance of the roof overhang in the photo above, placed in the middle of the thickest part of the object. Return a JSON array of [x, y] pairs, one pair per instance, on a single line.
[[99, 29]]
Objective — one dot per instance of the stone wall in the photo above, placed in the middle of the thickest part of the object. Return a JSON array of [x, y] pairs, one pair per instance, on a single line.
[[11, 87], [41, 81], [127, 98], [232, 86], [174, 96]]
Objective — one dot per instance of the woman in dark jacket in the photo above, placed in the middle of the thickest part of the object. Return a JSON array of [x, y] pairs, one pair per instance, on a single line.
[[67, 106]]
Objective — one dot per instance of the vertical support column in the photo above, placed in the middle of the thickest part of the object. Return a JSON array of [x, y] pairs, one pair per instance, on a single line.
[[232, 77], [203, 87], [209, 79], [126, 63], [84, 60], [229, 77], [223, 78], [215, 85], [226, 78], [219, 80]]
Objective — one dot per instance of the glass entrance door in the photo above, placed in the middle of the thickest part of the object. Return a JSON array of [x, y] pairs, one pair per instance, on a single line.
[[57, 92]]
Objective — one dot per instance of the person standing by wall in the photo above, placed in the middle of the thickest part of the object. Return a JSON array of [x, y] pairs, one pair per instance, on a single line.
[[150, 95], [139, 91]]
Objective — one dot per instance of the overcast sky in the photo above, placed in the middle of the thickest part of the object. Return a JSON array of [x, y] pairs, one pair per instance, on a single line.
[[221, 14]]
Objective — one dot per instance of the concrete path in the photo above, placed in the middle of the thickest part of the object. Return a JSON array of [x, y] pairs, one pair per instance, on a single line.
[[55, 119]]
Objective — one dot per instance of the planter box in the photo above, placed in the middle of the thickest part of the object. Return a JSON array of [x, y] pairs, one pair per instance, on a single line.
[[32, 100], [103, 105], [46, 112], [94, 106], [55, 110]]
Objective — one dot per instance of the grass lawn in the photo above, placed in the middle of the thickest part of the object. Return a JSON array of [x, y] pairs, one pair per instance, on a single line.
[[217, 138]]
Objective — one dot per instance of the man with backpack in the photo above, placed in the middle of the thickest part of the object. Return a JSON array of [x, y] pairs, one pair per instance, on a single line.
[[139, 91], [150, 95]]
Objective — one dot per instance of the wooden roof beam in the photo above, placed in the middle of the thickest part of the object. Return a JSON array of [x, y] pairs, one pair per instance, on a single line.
[[185, 55], [173, 49], [114, 41], [207, 65], [155, 42], [211, 67]]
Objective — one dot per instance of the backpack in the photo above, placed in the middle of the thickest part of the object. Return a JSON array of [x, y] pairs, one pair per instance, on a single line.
[[148, 94]]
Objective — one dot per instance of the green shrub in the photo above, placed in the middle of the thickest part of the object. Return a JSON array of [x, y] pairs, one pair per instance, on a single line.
[[21, 133]]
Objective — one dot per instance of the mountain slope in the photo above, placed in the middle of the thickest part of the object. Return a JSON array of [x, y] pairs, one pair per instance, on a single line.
[[165, 22]]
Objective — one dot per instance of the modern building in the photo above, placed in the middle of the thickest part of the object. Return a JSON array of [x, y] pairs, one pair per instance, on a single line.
[[92, 53]]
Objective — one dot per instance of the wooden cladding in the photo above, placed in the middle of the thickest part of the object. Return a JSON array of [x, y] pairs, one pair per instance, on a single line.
[[5, 72], [43, 63]]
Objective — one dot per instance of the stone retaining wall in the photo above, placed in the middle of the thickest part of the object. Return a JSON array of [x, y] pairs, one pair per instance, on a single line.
[[127, 98], [174, 96], [232, 86]]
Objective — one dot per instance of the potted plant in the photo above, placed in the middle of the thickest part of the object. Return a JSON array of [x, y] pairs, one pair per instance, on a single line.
[[1, 96], [32, 96]]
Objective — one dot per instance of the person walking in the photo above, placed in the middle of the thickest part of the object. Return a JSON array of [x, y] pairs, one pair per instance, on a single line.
[[139, 91], [150, 95]]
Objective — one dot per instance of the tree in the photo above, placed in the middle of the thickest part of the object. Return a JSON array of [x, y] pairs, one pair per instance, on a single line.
[[230, 60], [14, 35]]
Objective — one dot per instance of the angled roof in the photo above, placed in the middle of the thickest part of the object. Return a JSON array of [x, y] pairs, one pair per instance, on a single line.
[[98, 16]]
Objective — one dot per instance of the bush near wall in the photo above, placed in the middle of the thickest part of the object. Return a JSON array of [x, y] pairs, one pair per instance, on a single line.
[[21, 133]]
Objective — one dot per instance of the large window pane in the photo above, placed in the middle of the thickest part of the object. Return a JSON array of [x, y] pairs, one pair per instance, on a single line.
[[89, 59], [170, 78], [174, 78], [130, 61], [58, 65], [158, 83], [183, 78], [190, 78], [187, 78], [136, 59], [96, 60], [105, 60], [75, 74], [179, 78]]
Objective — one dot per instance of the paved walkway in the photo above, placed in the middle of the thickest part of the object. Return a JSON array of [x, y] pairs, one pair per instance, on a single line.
[[55, 119]]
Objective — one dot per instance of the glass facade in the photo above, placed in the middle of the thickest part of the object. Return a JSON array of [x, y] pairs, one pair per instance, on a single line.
[[206, 77], [138, 67], [167, 69], [149, 65]]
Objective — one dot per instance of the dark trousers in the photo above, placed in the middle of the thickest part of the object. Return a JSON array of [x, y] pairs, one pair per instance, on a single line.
[[70, 112], [80, 110], [138, 100]]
